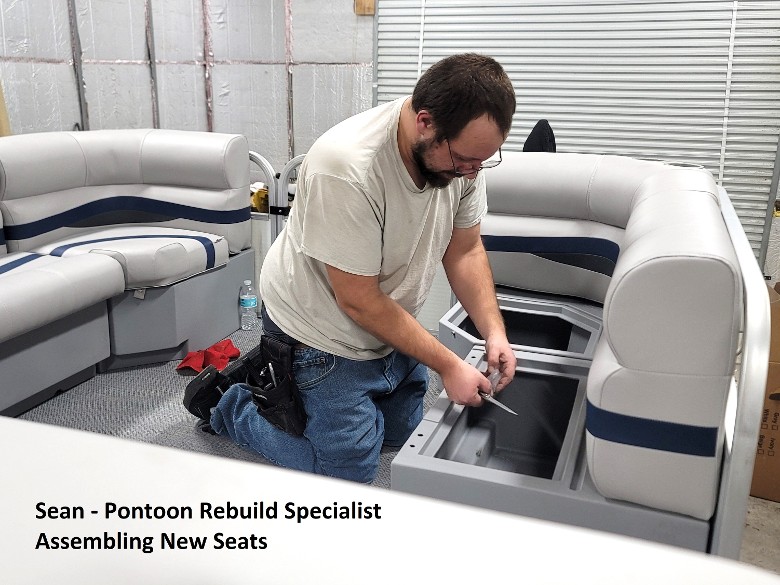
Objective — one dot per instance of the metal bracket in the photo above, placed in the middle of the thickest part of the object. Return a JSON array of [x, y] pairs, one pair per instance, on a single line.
[[276, 210]]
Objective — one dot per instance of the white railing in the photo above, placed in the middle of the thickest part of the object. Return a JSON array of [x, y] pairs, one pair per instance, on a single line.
[[743, 416]]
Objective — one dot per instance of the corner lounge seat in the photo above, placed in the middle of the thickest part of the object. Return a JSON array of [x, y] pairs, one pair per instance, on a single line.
[[636, 436], [146, 230], [141, 196], [648, 241]]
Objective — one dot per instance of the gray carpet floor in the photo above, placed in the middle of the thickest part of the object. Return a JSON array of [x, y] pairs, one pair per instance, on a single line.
[[145, 404]]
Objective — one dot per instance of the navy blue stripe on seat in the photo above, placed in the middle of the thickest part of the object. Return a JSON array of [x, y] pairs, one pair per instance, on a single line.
[[207, 244], [2, 237], [588, 262], [8, 266], [112, 205], [548, 245], [651, 434]]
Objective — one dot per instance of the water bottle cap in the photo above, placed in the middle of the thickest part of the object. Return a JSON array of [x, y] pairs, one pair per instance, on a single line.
[[247, 282]]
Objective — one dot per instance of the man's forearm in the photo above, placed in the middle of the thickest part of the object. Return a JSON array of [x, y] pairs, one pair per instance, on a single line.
[[471, 280]]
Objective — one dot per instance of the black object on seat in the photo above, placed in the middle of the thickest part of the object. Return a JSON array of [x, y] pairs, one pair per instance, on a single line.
[[541, 138]]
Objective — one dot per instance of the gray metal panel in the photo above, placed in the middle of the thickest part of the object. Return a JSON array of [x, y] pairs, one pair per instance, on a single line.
[[584, 333], [649, 79], [753, 122]]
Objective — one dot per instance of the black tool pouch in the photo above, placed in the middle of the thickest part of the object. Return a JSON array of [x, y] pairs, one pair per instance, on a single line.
[[275, 392]]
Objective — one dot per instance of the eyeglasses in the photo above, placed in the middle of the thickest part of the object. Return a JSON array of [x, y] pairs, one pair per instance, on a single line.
[[488, 164]]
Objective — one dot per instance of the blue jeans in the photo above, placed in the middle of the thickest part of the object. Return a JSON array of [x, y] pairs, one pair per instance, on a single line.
[[353, 408]]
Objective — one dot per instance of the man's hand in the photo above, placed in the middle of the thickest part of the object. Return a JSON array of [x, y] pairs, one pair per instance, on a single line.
[[462, 381], [500, 357]]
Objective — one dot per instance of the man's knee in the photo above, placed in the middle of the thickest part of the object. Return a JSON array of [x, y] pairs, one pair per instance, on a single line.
[[355, 462], [360, 471]]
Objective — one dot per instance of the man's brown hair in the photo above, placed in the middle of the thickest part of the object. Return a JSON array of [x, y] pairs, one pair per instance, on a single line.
[[461, 88]]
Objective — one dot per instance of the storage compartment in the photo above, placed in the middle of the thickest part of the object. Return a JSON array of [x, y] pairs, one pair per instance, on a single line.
[[531, 324], [529, 443], [486, 442], [533, 464], [538, 330]]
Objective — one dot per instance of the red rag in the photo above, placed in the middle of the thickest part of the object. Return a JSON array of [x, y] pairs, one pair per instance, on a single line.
[[193, 360], [226, 347], [218, 355], [215, 358]]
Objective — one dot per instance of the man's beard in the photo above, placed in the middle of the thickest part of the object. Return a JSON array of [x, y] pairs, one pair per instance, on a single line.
[[436, 179]]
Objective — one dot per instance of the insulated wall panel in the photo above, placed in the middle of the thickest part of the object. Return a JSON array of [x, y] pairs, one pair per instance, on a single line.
[[40, 97], [178, 31], [330, 32], [249, 76], [37, 77], [182, 96], [112, 30], [180, 69], [252, 100], [326, 95], [35, 29], [248, 30], [119, 96], [116, 66]]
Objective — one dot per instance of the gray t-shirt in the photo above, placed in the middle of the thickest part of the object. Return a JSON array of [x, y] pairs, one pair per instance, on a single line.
[[357, 209]]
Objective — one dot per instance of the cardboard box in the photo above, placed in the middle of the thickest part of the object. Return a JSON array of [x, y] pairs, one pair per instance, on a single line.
[[774, 316], [766, 472]]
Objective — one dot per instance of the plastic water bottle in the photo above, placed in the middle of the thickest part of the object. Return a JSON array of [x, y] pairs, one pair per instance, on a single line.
[[247, 306]]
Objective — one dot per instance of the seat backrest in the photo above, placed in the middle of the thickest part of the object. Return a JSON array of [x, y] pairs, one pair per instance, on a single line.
[[556, 222], [661, 371], [59, 184]]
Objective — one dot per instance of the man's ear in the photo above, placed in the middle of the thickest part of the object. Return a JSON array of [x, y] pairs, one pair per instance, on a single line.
[[424, 124]]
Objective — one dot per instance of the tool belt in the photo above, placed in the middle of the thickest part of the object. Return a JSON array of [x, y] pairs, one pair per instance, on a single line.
[[273, 386]]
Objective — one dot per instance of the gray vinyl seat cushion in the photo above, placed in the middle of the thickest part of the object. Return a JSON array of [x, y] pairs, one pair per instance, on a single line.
[[149, 256], [36, 290]]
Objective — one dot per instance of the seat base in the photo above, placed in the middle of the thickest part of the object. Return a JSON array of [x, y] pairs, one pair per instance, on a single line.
[[37, 365], [48, 393], [165, 323]]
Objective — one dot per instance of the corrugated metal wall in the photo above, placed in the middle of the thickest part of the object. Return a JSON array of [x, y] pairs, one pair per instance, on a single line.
[[692, 81]]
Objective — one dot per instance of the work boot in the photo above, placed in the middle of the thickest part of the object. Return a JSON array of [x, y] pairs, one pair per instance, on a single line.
[[204, 391]]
